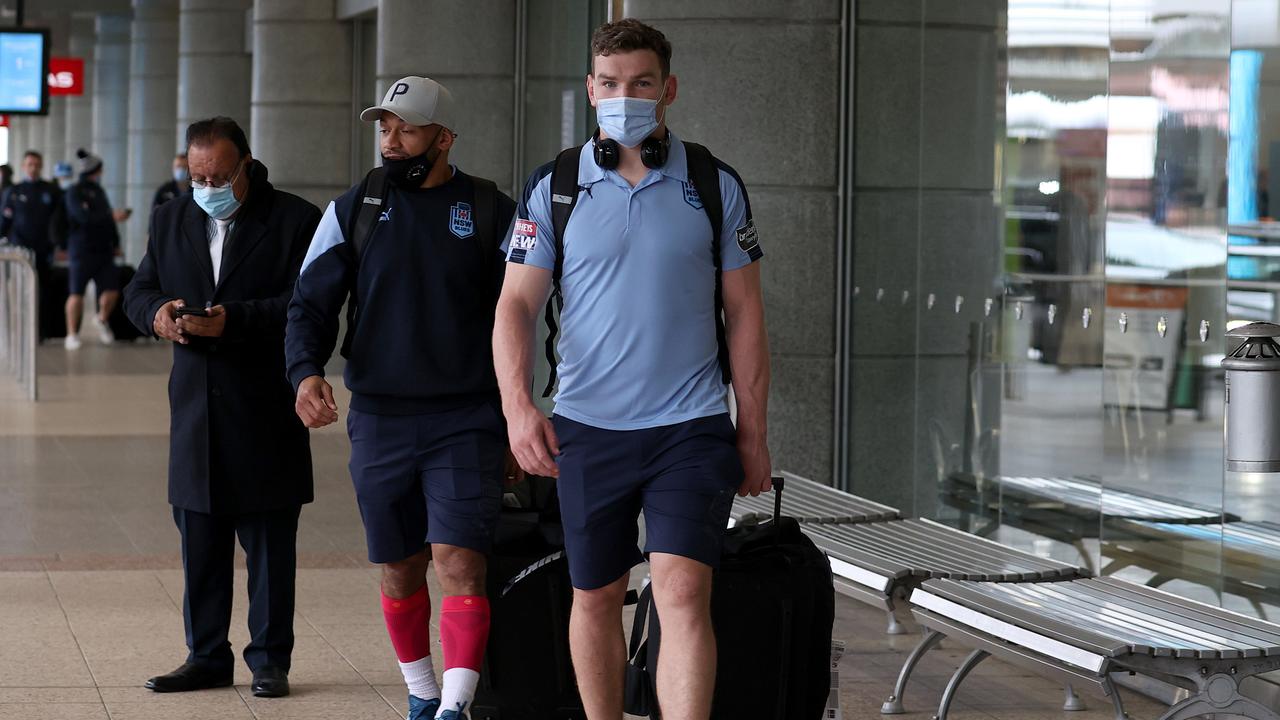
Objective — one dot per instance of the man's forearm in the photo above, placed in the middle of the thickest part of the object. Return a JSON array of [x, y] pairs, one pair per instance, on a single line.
[[513, 352], [749, 361]]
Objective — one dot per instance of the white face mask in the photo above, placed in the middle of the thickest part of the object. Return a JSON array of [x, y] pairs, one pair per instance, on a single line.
[[626, 119]]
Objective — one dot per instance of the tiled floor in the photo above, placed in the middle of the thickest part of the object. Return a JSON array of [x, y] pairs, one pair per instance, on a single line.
[[90, 585]]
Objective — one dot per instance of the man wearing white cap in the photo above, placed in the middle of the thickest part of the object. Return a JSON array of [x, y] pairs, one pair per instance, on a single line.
[[416, 247]]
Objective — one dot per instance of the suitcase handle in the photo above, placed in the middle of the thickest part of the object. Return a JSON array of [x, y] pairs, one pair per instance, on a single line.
[[778, 484]]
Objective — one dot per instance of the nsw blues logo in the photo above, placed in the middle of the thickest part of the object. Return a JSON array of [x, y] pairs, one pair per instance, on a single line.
[[461, 221], [691, 196]]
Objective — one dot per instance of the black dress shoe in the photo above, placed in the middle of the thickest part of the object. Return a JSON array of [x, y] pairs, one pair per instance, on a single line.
[[270, 681], [190, 677]]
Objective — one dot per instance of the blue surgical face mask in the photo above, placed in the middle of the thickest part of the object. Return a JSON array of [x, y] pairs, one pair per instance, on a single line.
[[628, 120], [180, 174], [218, 203]]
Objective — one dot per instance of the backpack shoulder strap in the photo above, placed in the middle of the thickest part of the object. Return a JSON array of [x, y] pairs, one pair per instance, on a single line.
[[704, 174], [564, 196], [364, 218], [486, 213], [486, 218], [372, 196]]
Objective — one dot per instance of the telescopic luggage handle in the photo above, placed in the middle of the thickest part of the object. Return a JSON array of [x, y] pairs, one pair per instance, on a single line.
[[778, 483]]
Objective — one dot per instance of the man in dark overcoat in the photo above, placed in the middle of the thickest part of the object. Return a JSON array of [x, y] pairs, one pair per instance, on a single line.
[[216, 281]]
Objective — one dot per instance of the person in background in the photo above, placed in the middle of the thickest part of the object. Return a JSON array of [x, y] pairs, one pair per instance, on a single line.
[[93, 242], [180, 184], [31, 215]]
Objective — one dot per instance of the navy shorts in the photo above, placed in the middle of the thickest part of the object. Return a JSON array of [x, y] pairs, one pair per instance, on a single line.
[[101, 269], [684, 478], [428, 478]]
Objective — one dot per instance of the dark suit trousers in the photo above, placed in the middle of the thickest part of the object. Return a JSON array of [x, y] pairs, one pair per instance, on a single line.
[[269, 540]]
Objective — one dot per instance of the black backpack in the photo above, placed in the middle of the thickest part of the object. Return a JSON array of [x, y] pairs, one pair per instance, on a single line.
[[373, 194], [704, 174]]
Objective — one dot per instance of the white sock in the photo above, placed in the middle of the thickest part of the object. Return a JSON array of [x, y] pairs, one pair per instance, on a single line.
[[420, 676], [459, 689]]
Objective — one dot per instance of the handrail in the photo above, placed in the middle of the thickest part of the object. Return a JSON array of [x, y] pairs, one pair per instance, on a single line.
[[19, 332]]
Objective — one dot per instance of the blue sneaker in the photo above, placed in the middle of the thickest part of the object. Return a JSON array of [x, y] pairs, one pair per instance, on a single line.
[[420, 709], [457, 714]]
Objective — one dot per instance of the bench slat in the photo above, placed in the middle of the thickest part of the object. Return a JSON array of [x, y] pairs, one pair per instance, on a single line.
[[1132, 618], [969, 595], [1268, 633], [953, 602]]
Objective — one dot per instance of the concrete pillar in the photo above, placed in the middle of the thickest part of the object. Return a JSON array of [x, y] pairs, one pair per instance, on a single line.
[[111, 104], [301, 108], [153, 97], [54, 142], [738, 65], [469, 46], [214, 66], [79, 121], [17, 140]]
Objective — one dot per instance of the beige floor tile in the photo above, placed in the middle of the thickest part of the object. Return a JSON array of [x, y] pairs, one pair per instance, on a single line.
[[138, 703], [42, 659], [49, 695], [324, 703], [70, 711]]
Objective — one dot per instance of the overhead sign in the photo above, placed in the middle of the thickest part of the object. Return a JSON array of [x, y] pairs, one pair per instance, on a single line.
[[66, 76]]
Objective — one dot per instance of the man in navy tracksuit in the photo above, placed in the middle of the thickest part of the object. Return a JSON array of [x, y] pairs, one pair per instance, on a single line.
[[428, 440], [31, 213]]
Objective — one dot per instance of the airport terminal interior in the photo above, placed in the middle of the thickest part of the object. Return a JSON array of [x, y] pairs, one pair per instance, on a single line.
[[1005, 242]]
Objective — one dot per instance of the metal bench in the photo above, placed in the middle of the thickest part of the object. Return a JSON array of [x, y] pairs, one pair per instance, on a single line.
[[1081, 631], [881, 563], [811, 502]]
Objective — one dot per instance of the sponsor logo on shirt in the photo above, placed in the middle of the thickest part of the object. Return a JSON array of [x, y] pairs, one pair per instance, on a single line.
[[525, 235]]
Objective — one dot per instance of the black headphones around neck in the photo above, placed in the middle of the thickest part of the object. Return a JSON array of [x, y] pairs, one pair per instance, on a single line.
[[653, 151]]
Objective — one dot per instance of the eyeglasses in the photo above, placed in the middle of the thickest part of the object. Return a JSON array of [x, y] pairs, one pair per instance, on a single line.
[[201, 184]]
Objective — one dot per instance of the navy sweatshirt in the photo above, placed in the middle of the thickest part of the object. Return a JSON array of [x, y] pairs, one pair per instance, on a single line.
[[93, 229], [28, 212], [425, 293]]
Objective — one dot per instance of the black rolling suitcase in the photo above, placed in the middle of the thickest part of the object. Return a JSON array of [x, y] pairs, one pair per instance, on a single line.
[[120, 325], [773, 607], [527, 672]]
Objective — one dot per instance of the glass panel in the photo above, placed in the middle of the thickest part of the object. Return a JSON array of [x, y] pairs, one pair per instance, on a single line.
[[1165, 272], [1250, 544], [1039, 478], [960, 262]]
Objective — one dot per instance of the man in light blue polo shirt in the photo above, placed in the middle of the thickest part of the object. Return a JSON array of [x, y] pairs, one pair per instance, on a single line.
[[641, 420]]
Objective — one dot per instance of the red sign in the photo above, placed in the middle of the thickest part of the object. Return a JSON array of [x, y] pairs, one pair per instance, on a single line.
[[4, 121], [66, 76]]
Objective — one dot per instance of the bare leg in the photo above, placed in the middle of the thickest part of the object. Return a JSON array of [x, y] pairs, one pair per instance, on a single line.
[[598, 648], [687, 660], [405, 577], [107, 303], [74, 309]]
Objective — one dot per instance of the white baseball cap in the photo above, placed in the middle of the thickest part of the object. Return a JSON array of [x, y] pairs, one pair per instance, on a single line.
[[417, 101]]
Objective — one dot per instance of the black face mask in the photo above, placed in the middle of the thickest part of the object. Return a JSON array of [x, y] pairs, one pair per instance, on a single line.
[[409, 173]]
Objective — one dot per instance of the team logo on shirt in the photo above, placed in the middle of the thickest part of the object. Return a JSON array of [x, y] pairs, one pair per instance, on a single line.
[[691, 196], [461, 222], [747, 238]]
